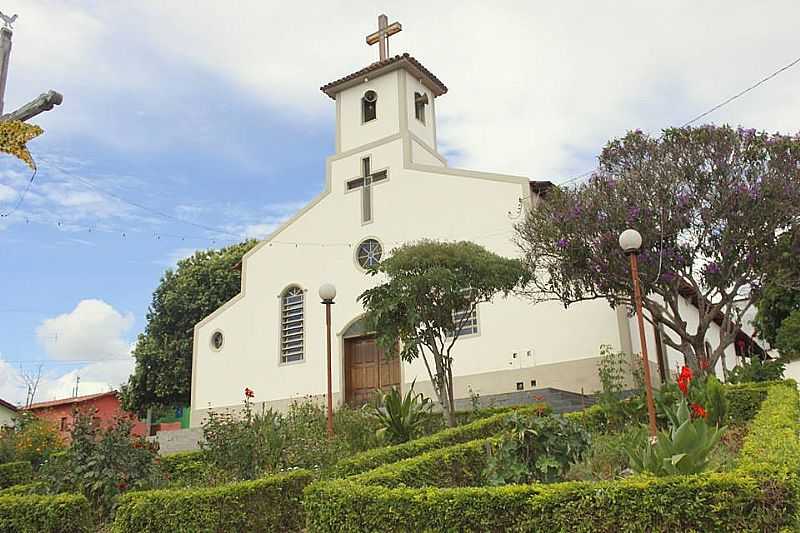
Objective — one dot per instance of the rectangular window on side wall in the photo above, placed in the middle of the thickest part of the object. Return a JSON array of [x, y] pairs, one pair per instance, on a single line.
[[468, 321], [292, 318], [420, 101]]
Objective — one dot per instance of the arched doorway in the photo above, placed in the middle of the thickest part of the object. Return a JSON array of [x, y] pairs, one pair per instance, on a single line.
[[365, 366]]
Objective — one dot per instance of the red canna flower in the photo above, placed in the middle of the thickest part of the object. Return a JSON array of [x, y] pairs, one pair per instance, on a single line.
[[698, 410], [684, 379], [704, 364], [248, 393]]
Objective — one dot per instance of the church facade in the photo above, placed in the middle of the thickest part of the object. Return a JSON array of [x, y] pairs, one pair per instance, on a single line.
[[387, 184]]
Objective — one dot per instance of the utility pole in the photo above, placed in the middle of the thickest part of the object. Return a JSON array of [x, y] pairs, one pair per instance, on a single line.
[[44, 102]]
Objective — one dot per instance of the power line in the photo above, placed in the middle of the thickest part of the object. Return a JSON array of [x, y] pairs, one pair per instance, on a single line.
[[141, 206], [706, 113], [22, 195], [742, 93]]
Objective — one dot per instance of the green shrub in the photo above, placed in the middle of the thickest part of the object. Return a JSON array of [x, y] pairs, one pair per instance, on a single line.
[[356, 429], [15, 473], [270, 504], [718, 502], [461, 465], [607, 458], [593, 418], [35, 487], [744, 400], [536, 448], [186, 469], [756, 371], [64, 513], [773, 437], [374, 458]]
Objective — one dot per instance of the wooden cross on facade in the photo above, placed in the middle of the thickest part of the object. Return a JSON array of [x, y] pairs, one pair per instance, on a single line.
[[385, 30], [365, 183], [44, 102]]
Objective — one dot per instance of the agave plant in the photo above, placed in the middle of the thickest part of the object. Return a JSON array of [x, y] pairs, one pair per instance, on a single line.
[[401, 416], [683, 449]]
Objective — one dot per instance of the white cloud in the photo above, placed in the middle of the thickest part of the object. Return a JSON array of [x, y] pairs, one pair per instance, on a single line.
[[94, 330], [88, 342], [7, 193], [100, 376]]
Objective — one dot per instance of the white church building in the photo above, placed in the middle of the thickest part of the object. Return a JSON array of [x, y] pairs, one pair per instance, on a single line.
[[385, 185]]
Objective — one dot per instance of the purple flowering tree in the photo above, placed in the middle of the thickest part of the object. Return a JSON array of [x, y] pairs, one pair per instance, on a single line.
[[709, 202]]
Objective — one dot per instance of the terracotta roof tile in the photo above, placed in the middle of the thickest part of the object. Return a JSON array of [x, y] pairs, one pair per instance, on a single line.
[[405, 60], [75, 399]]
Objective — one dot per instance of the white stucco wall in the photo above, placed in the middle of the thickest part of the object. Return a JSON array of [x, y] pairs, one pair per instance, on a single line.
[[7, 416], [352, 131]]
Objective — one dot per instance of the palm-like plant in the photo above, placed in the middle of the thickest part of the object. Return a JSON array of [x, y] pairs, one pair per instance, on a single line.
[[683, 449], [401, 416]]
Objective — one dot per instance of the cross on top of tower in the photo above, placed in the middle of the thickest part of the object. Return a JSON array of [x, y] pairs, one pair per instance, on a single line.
[[385, 30]]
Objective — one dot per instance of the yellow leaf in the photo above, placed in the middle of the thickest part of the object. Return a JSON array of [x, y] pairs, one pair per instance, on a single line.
[[13, 137]]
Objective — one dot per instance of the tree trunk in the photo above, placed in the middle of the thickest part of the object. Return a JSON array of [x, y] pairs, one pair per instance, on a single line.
[[451, 411]]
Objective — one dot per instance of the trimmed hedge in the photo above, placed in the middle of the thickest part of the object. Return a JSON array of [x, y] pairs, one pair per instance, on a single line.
[[725, 502], [185, 468], [744, 400], [763, 494], [376, 457], [64, 513], [773, 437], [273, 503], [461, 465], [15, 473], [36, 487]]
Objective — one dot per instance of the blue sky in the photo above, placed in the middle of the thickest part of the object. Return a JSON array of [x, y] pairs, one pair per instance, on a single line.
[[213, 115]]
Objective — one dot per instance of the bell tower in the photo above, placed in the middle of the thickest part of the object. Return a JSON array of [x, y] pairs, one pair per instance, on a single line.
[[393, 97]]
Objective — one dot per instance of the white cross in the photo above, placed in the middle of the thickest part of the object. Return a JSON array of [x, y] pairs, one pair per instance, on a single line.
[[365, 184]]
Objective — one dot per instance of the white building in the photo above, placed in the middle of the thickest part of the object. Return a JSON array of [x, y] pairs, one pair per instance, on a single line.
[[8, 414], [387, 184]]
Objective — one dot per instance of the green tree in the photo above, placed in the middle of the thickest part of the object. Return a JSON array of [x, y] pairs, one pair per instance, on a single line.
[[710, 203], [778, 317], [186, 295], [432, 288]]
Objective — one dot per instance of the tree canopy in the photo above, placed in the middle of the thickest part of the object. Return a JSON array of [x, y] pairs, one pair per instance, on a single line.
[[778, 317], [186, 295], [710, 203], [430, 292]]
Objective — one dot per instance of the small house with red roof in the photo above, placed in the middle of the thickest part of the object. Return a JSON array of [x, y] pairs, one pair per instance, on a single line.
[[106, 407]]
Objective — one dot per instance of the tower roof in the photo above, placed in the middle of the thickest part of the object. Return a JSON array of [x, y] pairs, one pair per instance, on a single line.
[[405, 61]]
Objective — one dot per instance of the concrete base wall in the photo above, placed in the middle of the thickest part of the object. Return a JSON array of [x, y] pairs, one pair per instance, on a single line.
[[181, 440]]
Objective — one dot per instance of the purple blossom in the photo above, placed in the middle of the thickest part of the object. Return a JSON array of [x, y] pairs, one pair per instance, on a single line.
[[562, 243], [633, 213], [667, 277], [712, 268]]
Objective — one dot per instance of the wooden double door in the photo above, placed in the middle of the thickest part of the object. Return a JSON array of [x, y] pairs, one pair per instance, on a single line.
[[367, 369]]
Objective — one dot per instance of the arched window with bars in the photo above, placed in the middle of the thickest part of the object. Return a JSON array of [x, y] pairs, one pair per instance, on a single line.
[[292, 325]]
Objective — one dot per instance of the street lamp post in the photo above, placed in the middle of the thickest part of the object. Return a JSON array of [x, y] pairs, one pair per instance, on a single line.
[[327, 293], [631, 241]]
